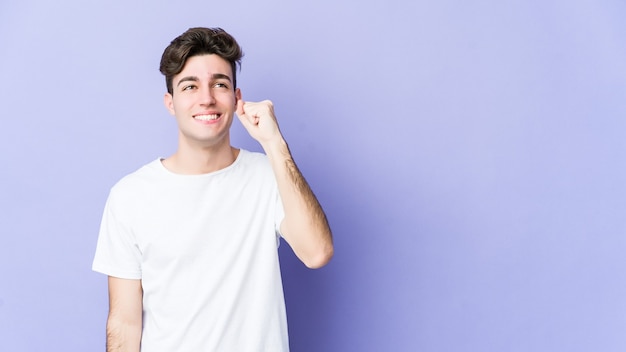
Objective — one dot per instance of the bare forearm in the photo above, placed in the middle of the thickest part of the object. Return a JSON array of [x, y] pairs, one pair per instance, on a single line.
[[122, 336], [305, 226], [303, 194]]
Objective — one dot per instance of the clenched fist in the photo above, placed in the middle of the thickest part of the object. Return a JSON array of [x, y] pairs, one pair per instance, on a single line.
[[259, 120]]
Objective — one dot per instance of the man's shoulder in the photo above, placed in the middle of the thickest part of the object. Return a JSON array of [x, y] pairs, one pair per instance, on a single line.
[[253, 158], [140, 177], [255, 163]]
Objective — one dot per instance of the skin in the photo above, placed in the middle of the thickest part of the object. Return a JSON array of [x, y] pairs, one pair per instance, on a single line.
[[124, 323], [204, 87]]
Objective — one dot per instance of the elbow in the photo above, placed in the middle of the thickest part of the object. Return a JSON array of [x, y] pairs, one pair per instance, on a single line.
[[321, 258]]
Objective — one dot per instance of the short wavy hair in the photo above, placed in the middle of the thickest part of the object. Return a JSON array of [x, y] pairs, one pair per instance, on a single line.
[[199, 41]]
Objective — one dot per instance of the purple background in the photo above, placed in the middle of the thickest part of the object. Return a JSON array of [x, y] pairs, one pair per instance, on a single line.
[[469, 155]]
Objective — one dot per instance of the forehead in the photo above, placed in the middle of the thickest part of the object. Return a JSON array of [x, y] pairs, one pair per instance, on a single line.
[[204, 66]]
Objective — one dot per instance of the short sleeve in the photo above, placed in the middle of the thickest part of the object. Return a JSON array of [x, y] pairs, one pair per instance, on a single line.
[[279, 215], [117, 253]]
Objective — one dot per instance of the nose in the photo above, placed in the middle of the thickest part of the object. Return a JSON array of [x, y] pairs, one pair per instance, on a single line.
[[207, 97]]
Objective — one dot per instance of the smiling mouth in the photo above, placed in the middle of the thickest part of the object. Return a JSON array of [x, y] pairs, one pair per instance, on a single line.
[[209, 117]]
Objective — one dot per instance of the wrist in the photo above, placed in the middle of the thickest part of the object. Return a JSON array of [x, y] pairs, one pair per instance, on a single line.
[[276, 148]]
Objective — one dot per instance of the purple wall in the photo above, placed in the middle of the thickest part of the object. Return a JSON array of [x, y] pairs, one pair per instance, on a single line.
[[470, 157]]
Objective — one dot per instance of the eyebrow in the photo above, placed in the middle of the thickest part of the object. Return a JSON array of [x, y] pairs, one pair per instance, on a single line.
[[196, 79]]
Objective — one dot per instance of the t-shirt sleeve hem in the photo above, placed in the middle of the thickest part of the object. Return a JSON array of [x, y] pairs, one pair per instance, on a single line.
[[122, 274]]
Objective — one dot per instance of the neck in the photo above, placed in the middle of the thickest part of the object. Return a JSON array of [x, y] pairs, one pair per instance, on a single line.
[[190, 160]]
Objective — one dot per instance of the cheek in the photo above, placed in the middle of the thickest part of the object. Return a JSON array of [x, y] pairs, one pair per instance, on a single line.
[[181, 103], [227, 97]]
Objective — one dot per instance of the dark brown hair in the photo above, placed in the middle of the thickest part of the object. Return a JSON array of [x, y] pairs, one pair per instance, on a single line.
[[199, 41]]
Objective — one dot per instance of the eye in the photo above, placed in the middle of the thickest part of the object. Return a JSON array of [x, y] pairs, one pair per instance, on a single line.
[[220, 85], [189, 87]]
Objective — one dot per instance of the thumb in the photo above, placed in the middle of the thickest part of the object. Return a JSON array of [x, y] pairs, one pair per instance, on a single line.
[[240, 111], [241, 114]]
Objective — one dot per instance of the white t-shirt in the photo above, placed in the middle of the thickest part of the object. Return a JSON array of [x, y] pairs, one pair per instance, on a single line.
[[205, 248]]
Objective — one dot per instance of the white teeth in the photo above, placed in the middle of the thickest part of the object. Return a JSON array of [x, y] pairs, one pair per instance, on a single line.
[[206, 117]]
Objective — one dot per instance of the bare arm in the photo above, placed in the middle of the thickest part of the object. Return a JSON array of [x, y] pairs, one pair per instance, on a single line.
[[124, 323], [305, 226]]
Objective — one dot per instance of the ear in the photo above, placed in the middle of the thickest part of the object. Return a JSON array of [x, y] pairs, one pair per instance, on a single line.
[[237, 95], [168, 101]]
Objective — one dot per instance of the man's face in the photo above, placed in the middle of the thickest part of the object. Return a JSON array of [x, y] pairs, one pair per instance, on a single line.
[[203, 100]]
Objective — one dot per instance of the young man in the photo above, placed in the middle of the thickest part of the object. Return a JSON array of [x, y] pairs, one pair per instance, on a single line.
[[189, 242]]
